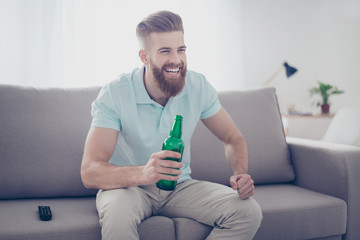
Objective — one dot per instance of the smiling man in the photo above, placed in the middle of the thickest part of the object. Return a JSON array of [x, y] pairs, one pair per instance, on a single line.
[[166, 61], [131, 118]]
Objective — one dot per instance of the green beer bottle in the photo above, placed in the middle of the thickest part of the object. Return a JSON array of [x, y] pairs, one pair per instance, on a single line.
[[173, 143]]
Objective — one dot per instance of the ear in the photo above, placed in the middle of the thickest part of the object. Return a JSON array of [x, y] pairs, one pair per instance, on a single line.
[[143, 57]]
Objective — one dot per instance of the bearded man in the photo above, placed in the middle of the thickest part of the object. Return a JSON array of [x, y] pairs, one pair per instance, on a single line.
[[131, 118]]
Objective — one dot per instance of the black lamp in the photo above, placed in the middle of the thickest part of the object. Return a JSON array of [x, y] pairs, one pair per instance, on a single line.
[[289, 72]]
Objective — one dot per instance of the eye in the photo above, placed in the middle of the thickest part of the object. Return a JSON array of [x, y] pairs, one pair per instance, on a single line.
[[165, 51], [182, 50]]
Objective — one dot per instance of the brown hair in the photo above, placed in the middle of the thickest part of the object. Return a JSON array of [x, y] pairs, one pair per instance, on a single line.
[[163, 21]]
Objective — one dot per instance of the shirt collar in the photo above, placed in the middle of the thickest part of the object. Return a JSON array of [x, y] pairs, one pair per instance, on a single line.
[[141, 95]]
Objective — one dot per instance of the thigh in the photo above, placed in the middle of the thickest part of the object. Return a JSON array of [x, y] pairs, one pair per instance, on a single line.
[[206, 202], [126, 202]]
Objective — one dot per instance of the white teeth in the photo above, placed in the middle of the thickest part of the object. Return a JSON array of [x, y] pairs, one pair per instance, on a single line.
[[172, 70]]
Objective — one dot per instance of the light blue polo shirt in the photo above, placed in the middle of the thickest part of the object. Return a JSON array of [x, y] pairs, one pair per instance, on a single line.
[[143, 124]]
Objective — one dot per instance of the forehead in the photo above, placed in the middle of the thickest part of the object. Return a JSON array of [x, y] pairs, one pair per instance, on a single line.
[[159, 40]]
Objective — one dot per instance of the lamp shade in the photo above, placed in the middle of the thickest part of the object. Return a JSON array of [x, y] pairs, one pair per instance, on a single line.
[[289, 69]]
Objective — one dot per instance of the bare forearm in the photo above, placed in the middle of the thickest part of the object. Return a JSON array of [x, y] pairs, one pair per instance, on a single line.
[[100, 174], [236, 151], [224, 128], [237, 154], [104, 175]]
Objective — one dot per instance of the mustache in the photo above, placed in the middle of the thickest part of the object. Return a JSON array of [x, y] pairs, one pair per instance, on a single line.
[[172, 65]]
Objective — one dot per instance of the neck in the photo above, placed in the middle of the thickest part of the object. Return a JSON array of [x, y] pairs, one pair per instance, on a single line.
[[154, 92]]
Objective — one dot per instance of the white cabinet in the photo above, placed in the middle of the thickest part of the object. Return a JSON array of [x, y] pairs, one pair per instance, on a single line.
[[310, 127]]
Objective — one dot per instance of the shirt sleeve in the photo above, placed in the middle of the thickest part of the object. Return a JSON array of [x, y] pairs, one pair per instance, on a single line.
[[211, 103], [103, 111]]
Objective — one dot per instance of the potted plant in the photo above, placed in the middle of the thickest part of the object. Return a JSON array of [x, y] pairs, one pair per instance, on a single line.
[[325, 91]]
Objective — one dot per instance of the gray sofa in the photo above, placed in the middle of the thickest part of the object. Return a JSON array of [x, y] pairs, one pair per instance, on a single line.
[[306, 189]]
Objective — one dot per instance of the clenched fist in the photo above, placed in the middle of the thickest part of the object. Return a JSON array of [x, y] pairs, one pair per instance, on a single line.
[[243, 184]]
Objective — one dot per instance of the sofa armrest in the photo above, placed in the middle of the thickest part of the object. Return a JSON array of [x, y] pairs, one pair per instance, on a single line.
[[332, 169]]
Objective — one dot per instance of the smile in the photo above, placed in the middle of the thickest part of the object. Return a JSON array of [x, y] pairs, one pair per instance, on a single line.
[[172, 70]]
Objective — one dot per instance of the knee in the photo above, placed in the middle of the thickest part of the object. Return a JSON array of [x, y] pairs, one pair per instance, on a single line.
[[119, 213], [248, 213], [248, 219], [254, 213], [120, 205]]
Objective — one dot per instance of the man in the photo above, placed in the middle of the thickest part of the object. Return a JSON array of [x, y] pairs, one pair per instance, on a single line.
[[131, 118]]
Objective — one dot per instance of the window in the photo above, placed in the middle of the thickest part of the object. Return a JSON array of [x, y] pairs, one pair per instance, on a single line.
[[76, 43]]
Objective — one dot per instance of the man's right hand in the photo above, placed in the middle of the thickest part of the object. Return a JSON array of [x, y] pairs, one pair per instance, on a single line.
[[157, 168]]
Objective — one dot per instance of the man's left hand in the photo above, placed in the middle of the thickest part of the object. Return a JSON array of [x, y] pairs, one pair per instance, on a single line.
[[243, 184]]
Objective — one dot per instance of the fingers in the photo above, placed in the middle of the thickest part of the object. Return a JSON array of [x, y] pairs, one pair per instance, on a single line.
[[233, 181], [158, 168], [246, 192], [165, 154], [169, 164], [243, 184], [161, 161], [169, 170]]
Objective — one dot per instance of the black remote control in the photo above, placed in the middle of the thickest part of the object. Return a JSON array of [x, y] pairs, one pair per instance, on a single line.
[[45, 213]]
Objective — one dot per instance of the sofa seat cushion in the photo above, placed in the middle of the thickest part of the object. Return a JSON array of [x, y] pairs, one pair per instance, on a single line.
[[289, 212], [193, 229], [157, 227], [73, 219], [292, 212]]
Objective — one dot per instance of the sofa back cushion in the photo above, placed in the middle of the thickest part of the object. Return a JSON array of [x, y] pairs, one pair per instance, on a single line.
[[43, 131], [42, 137], [256, 114]]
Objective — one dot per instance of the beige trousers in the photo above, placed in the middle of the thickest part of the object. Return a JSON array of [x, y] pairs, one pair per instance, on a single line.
[[121, 210]]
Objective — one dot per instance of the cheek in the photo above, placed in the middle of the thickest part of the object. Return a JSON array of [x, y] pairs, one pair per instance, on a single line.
[[159, 62], [184, 59]]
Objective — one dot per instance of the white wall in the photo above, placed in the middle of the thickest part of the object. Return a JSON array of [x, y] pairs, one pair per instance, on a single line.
[[320, 37], [237, 44], [76, 43]]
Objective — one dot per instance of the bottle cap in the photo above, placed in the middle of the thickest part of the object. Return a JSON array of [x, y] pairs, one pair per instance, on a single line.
[[178, 117]]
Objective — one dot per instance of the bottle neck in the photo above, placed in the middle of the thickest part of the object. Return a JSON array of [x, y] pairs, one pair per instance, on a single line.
[[176, 130]]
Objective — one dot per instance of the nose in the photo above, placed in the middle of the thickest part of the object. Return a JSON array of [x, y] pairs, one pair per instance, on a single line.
[[175, 58]]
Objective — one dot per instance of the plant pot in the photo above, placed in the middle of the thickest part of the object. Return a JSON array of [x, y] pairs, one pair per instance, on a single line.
[[325, 108]]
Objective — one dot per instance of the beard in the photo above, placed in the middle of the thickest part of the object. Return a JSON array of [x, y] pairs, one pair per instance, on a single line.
[[170, 86]]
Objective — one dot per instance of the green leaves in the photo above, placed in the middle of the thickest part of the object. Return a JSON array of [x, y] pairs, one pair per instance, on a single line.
[[325, 91]]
